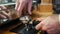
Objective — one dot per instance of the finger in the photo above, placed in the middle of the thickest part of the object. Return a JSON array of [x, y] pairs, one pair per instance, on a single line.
[[2, 16], [29, 6], [3, 7], [17, 4], [6, 14], [39, 26], [22, 4]]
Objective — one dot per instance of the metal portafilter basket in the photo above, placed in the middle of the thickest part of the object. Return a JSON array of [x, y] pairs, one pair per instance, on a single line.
[[25, 21]]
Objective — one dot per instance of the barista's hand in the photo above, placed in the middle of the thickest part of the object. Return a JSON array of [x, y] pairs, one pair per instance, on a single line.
[[50, 24], [4, 14]]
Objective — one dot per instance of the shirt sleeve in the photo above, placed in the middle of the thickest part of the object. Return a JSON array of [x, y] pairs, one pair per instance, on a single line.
[[56, 6]]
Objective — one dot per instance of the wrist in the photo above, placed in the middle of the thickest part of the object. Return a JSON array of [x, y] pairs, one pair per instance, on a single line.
[[55, 17]]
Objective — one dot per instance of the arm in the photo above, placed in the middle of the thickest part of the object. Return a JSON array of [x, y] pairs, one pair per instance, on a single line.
[[59, 18]]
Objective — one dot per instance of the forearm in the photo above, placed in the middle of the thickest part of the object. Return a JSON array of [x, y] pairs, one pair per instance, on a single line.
[[56, 17], [59, 18]]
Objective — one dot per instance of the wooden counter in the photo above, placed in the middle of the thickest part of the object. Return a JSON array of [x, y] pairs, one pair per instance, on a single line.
[[7, 32]]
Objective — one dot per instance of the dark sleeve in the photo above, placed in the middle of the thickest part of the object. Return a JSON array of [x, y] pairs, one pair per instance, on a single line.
[[56, 6], [9, 23]]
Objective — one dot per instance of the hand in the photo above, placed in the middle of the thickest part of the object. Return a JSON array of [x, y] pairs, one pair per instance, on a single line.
[[4, 14], [21, 4], [50, 24]]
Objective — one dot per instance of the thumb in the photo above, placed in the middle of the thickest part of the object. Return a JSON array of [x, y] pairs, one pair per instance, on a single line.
[[39, 26]]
